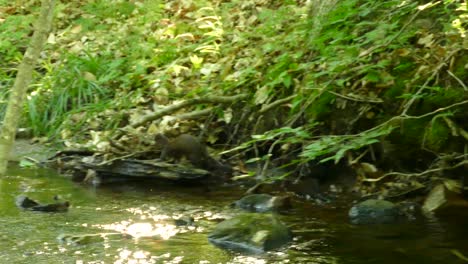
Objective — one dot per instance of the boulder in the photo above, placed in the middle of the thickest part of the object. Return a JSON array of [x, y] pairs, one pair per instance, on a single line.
[[251, 233], [374, 211]]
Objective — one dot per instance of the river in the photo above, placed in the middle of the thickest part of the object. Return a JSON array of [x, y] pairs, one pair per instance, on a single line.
[[145, 211]]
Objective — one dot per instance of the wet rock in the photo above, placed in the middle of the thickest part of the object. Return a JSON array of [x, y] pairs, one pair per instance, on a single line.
[[251, 233], [184, 221], [24, 202], [85, 239], [263, 203], [374, 211], [410, 210], [28, 204], [440, 198], [59, 207]]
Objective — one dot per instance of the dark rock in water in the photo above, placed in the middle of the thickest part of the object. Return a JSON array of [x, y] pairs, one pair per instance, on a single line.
[[51, 208], [251, 233], [184, 221], [263, 203], [24, 202], [29, 204], [85, 239], [374, 211]]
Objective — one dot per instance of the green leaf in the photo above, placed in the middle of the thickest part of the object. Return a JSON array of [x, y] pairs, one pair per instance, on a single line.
[[336, 147]]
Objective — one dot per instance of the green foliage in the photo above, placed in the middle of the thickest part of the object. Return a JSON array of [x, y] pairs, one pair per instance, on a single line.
[[14, 37], [80, 82], [349, 56], [321, 107], [335, 147], [437, 134], [103, 9], [294, 136]]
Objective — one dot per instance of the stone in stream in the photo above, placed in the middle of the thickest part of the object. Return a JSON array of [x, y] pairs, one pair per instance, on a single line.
[[251, 233], [184, 221], [261, 203], [374, 211], [85, 239], [28, 204]]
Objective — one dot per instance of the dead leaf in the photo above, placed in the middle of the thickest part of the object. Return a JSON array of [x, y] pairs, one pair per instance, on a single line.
[[89, 76], [76, 29], [261, 95], [426, 41]]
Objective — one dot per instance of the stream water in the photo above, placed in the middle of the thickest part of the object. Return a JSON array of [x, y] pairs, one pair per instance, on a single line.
[[146, 212]]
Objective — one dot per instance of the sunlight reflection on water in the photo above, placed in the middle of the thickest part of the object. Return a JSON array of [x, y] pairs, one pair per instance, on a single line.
[[144, 229]]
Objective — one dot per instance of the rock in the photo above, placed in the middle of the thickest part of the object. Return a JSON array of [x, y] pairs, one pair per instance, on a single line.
[[263, 203], [59, 207], [409, 209], [374, 211], [24, 202], [440, 198], [184, 221], [29, 204], [251, 233], [84, 239]]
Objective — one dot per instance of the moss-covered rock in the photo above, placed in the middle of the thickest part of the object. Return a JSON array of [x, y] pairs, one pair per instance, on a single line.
[[251, 233], [374, 211]]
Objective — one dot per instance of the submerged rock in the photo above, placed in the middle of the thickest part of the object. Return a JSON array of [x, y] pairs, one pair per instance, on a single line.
[[374, 211], [184, 221], [263, 203], [24, 202], [84, 239], [251, 233], [28, 204]]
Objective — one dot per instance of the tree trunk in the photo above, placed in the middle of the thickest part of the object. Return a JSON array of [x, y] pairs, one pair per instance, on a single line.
[[23, 79]]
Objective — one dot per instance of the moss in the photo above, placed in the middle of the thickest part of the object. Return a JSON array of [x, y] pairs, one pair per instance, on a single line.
[[437, 135], [321, 108], [410, 133], [460, 67]]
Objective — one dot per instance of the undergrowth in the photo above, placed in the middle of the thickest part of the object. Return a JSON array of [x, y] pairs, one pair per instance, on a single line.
[[350, 72]]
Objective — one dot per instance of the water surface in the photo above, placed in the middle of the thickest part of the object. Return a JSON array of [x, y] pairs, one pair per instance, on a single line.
[[146, 212]]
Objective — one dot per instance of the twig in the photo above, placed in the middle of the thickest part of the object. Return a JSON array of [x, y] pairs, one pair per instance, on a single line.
[[369, 51], [462, 163], [194, 101], [458, 80], [434, 73], [453, 127], [276, 103], [194, 114], [436, 111], [401, 117], [354, 98], [117, 158], [270, 150]]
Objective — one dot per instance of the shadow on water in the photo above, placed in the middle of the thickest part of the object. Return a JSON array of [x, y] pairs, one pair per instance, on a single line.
[[147, 211]]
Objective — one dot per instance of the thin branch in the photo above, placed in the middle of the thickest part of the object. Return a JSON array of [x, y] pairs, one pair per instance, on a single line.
[[436, 111], [458, 80], [369, 51], [353, 98], [434, 73], [462, 163], [190, 102], [403, 117], [194, 114], [276, 103]]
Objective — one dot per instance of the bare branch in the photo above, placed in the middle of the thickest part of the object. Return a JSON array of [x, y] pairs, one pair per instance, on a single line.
[[190, 102]]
